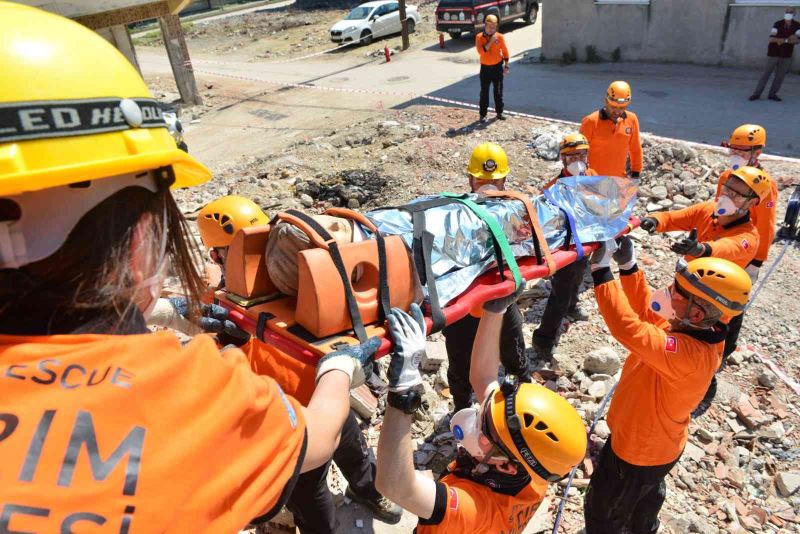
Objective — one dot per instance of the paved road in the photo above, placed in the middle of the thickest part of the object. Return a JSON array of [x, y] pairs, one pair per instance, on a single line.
[[689, 102]]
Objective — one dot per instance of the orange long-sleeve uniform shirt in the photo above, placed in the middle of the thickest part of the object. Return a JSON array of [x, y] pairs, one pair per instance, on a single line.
[[136, 433], [736, 241], [497, 51], [664, 378], [611, 143], [763, 216], [463, 505]]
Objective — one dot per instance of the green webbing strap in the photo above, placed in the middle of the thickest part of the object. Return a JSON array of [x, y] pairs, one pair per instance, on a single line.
[[497, 234]]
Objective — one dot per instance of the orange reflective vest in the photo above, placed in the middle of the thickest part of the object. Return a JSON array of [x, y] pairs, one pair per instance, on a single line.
[[135, 433], [763, 216], [464, 506], [611, 143], [736, 241], [664, 378]]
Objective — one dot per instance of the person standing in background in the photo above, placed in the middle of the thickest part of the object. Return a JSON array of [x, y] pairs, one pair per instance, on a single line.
[[784, 35], [494, 56]]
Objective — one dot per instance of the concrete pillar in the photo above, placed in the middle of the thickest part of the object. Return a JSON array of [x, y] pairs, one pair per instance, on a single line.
[[179, 58], [119, 36]]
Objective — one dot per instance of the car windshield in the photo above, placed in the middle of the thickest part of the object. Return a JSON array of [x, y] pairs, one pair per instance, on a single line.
[[358, 13]]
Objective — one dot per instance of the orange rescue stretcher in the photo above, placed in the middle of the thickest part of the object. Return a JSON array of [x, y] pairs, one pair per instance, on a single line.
[[318, 321]]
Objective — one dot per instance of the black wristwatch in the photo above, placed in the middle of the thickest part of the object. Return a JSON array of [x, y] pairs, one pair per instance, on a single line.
[[407, 401]]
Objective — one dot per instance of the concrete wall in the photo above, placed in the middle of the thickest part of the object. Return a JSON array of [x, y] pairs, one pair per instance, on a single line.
[[710, 32]]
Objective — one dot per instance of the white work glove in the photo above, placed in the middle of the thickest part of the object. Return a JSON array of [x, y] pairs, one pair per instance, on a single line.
[[355, 360], [601, 258], [408, 333], [625, 255], [752, 272]]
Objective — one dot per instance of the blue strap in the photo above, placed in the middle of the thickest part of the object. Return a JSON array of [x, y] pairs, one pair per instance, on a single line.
[[570, 220]]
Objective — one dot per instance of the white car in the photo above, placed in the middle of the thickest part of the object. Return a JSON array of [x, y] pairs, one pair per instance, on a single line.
[[373, 19]]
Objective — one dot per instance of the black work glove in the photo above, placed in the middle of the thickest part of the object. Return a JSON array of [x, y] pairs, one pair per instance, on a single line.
[[625, 255], [649, 224], [501, 305], [689, 245], [635, 174], [213, 320]]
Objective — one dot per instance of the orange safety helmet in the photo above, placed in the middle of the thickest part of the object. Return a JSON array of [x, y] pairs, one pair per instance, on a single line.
[[572, 143], [748, 137], [544, 432], [219, 220], [618, 94], [719, 282], [756, 179]]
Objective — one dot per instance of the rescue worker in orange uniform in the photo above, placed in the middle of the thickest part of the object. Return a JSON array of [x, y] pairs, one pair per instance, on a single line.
[[724, 228], [746, 145], [311, 502], [491, 47], [102, 423], [613, 134], [675, 338], [487, 170], [566, 282], [521, 437]]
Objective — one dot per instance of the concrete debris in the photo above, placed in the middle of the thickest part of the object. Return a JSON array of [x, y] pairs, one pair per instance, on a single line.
[[435, 355], [788, 483], [603, 360]]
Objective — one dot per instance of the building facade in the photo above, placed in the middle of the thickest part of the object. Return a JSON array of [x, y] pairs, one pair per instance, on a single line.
[[711, 32]]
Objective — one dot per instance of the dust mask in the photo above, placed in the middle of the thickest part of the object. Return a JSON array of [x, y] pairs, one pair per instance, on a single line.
[[737, 161], [465, 425], [788, 17], [725, 206], [576, 168], [661, 304], [487, 187]]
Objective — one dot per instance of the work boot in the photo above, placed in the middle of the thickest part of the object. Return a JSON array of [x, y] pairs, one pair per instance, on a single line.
[[754, 97], [501, 117], [541, 353], [776, 98], [381, 507], [483, 119], [578, 314]]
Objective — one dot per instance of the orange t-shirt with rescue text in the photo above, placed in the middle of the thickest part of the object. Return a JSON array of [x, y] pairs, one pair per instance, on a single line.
[[763, 216], [497, 51], [465, 506], [664, 378], [610, 143], [134, 434]]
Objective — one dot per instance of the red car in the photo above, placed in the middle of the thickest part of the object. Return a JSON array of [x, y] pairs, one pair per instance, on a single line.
[[459, 16]]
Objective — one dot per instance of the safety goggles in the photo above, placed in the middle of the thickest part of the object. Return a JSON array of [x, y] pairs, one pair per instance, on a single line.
[[618, 101], [682, 270], [734, 194], [509, 389]]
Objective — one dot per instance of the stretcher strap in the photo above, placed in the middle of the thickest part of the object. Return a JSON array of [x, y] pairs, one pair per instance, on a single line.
[[383, 275], [539, 242], [570, 221], [422, 248], [333, 249], [502, 246]]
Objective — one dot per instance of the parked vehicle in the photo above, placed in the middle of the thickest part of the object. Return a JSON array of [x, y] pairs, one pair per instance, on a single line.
[[174, 126], [466, 16], [371, 20]]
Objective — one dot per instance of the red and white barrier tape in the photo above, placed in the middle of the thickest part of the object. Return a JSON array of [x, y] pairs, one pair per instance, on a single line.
[[411, 95]]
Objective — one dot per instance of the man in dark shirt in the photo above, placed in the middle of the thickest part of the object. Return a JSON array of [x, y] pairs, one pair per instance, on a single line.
[[784, 35]]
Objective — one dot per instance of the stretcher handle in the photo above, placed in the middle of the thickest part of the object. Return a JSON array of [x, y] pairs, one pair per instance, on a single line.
[[305, 228], [353, 215]]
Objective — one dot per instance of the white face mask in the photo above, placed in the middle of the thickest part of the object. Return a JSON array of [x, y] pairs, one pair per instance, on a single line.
[[576, 168], [154, 283], [737, 161], [661, 304], [465, 425], [725, 206], [788, 16], [487, 187]]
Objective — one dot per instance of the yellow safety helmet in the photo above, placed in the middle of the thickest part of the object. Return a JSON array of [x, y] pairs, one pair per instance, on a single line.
[[488, 162], [618, 94], [73, 109], [491, 18], [719, 282], [219, 220], [748, 137], [756, 179], [544, 432], [573, 142]]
